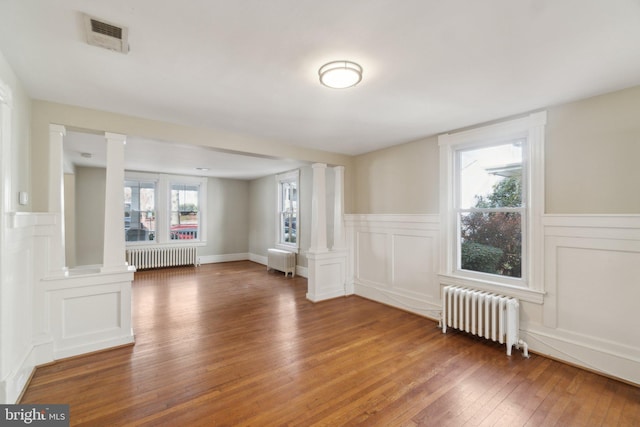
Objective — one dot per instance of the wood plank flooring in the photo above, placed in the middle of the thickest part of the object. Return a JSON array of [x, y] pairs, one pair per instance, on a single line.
[[230, 344]]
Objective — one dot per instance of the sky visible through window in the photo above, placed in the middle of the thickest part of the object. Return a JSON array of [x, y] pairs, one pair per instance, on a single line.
[[475, 166]]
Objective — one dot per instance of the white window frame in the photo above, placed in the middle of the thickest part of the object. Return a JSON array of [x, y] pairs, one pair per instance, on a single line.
[[531, 127], [163, 208], [291, 176], [155, 190]]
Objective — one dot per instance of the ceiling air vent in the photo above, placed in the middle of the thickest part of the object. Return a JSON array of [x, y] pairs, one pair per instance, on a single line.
[[106, 35]]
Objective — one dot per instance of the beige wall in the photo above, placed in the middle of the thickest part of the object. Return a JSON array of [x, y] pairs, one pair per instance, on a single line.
[[400, 179], [70, 219], [592, 151], [262, 218], [20, 138], [262, 215], [90, 186], [45, 113], [593, 155], [227, 217]]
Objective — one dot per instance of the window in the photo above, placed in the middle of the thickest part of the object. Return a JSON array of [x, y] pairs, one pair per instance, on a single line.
[[139, 210], [489, 209], [287, 214], [164, 209], [185, 211], [492, 198]]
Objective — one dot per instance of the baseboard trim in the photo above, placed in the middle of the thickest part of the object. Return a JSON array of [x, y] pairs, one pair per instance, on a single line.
[[13, 386], [258, 258], [609, 359], [421, 307], [302, 271], [93, 347], [212, 259]]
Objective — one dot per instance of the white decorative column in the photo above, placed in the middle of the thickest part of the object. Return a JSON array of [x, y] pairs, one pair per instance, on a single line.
[[319, 209], [326, 268], [114, 243], [57, 263], [338, 209]]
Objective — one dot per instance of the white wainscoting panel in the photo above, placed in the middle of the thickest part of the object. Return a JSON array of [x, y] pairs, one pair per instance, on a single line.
[[590, 307], [327, 275], [393, 259], [592, 283], [372, 256], [89, 312], [410, 265]]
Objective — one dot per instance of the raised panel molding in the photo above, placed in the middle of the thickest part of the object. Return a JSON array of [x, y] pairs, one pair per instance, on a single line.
[[592, 266], [575, 248], [393, 259]]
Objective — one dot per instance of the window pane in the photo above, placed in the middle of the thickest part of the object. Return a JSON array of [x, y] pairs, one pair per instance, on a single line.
[[185, 212], [491, 177], [491, 242], [139, 211], [288, 212], [289, 227]]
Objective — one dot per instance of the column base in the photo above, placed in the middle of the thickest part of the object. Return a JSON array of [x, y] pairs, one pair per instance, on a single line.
[[327, 275]]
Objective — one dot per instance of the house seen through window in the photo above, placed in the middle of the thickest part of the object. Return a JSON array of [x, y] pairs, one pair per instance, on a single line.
[[184, 211], [139, 210], [163, 209]]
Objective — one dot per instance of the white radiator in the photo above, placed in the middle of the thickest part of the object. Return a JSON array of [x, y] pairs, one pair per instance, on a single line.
[[280, 260], [485, 314], [144, 258]]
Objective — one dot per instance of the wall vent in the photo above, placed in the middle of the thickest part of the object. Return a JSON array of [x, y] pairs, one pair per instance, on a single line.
[[106, 35]]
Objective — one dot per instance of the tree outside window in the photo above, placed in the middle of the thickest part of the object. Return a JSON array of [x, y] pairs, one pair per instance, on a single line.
[[490, 209]]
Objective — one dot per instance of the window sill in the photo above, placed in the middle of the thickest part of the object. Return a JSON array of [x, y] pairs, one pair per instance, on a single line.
[[524, 294], [289, 248], [172, 243]]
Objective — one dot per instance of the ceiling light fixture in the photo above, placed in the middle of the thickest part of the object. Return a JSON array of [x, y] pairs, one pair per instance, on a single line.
[[202, 169], [340, 74]]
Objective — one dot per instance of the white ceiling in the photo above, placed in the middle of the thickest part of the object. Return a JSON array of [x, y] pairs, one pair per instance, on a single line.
[[144, 155], [250, 66]]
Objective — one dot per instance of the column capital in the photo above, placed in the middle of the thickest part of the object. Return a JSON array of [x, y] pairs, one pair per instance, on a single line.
[[57, 129], [115, 137], [319, 166]]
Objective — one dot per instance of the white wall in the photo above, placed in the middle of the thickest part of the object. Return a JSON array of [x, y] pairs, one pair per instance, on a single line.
[[589, 313], [16, 244]]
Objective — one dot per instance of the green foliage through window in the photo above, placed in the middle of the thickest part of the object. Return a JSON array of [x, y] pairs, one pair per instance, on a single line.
[[492, 241]]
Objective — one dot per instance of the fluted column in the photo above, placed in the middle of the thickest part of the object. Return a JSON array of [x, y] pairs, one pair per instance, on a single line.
[[57, 263], [319, 209], [114, 243], [338, 209]]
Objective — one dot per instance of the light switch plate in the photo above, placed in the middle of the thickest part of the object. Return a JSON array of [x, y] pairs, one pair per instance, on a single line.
[[23, 197]]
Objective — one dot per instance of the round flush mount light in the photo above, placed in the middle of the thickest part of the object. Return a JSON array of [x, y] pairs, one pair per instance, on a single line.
[[340, 74]]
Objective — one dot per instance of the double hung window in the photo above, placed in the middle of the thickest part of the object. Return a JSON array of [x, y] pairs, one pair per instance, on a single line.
[[287, 214], [164, 209], [491, 203], [185, 211], [139, 210]]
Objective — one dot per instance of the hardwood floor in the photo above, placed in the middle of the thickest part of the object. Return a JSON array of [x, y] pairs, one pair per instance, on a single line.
[[230, 344]]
